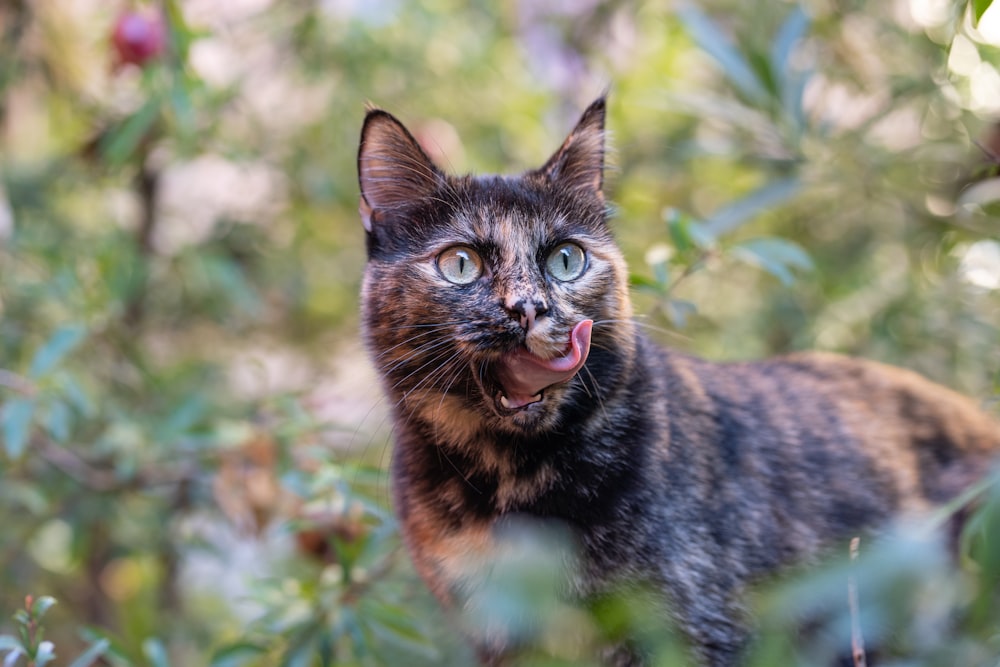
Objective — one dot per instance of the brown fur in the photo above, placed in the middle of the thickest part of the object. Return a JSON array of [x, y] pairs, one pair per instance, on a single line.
[[692, 477]]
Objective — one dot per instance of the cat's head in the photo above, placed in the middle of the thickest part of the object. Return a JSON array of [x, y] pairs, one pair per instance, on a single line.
[[490, 301]]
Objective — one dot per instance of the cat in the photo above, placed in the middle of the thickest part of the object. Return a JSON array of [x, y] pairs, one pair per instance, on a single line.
[[496, 310]]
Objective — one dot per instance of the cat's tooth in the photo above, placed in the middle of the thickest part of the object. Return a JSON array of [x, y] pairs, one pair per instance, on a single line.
[[505, 402]]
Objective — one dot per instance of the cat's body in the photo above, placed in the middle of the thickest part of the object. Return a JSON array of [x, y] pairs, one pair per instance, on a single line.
[[496, 310]]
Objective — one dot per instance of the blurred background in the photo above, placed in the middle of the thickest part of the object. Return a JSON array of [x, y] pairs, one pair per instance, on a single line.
[[193, 444]]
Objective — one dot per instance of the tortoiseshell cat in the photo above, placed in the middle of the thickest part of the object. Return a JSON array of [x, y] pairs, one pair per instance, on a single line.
[[496, 310]]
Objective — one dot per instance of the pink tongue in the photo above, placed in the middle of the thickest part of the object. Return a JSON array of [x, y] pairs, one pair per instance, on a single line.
[[523, 375]]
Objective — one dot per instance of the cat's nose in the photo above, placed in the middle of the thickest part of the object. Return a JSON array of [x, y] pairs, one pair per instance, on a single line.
[[526, 311]]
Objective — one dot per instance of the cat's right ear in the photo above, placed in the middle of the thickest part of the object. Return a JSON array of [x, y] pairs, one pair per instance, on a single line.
[[393, 170], [579, 163]]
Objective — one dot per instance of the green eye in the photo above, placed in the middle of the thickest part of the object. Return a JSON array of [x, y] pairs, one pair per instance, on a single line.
[[460, 265], [567, 262]]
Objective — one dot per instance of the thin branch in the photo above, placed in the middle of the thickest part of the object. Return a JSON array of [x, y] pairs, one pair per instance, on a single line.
[[18, 383], [104, 480], [146, 185], [356, 589], [690, 270], [857, 640]]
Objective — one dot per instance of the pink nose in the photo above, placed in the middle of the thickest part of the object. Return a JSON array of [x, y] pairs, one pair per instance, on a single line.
[[525, 311]]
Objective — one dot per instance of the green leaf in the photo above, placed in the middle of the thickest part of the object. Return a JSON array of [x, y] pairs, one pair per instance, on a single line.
[[645, 283], [77, 395], [237, 654], [687, 233], [46, 653], [9, 643], [41, 605], [15, 424], [57, 421], [24, 495], [710, 38], [398, 626], [183, 418], [13, 656], [93, 652], [679, 310], [58, 346], [301, 648], [743, 210], [116, 654], [774, 255], [789, 34], [155, 652], [979, 8], [119, 144], [791, 84]]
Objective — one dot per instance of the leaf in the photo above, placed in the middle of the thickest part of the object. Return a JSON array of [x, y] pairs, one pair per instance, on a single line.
[[399, 627], [644, 283], [980, 195], [77, 395], [115, 654], [93, 652], [687, 233], [13, 656], [791, 84], [24, 495], [743, 210], [122, 141], [57, 421], [679, 310], [183, 418], [711, 39], [979, 8], [46, 653], [789, 34], [301, 648], [155, 652], [237, 654], [775, 256], [58, 346], [15, 424], [42, 605]]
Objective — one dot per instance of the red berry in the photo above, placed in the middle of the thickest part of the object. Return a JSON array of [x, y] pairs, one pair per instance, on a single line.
[[139, 38]]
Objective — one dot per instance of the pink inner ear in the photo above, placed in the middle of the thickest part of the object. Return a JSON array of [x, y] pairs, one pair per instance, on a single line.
[[523, 375], [393, 170], [365, 211]]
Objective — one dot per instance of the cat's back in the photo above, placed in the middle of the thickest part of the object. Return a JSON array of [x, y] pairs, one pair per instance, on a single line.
[[824, 414]]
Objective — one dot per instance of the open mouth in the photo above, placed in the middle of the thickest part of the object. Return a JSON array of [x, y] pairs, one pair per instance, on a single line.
[[523, 376]]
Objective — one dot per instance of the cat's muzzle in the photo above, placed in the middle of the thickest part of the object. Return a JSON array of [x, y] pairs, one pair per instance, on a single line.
[[523, 377]]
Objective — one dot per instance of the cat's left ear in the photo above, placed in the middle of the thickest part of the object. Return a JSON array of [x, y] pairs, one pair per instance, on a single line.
[[393, 170], [579, 163]]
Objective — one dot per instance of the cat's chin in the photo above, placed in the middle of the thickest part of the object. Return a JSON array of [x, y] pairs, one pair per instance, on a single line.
[[528, 414], [524, 413], [515, 403]]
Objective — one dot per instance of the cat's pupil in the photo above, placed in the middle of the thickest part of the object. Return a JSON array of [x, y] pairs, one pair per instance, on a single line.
[[565, 258]]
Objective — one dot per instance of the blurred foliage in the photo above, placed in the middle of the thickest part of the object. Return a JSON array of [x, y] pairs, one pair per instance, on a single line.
[[192, 453]]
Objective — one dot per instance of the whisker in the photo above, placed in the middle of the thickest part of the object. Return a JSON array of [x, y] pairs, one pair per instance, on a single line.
[[400, 327], [597, 394], [408, 341], [434, 359], [645, 325]]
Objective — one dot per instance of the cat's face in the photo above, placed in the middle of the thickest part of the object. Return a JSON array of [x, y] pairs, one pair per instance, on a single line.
[[488, 302]]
